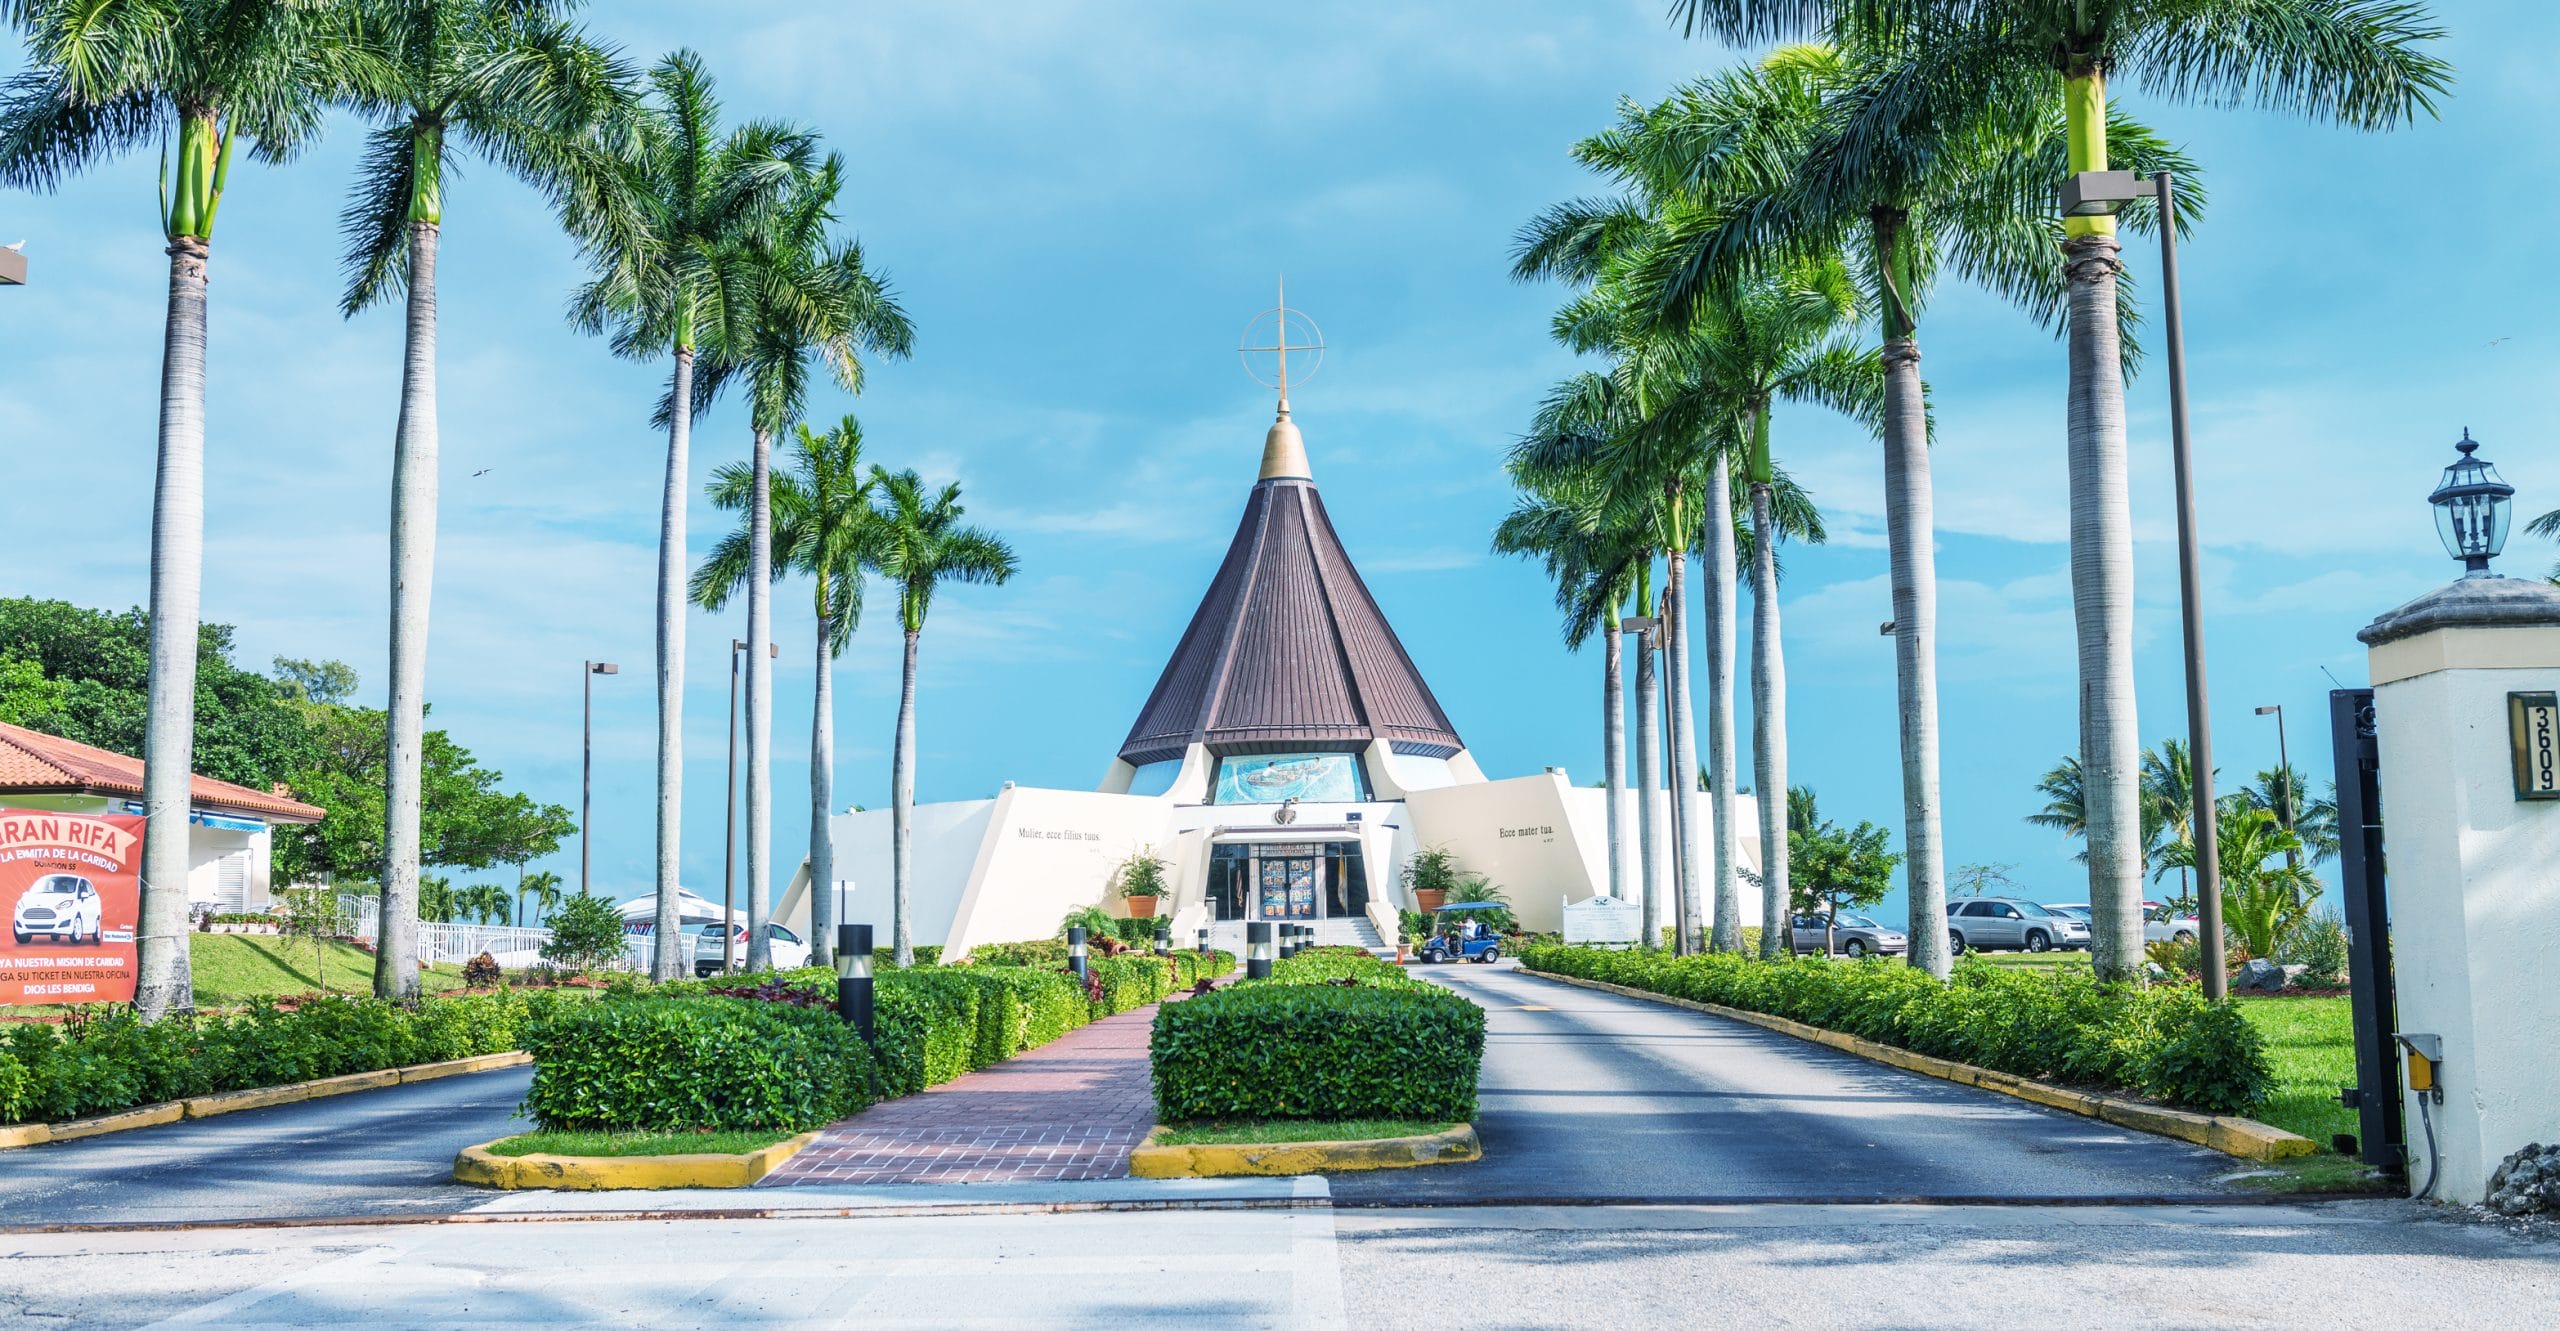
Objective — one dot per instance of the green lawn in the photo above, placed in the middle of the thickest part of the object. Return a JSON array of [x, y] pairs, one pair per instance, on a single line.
[[637, 1143], [1254, 1132], [231, 969], [2311, 1042]]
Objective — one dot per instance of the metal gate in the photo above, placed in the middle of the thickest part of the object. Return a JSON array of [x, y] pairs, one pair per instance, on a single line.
[[2376, 1095]]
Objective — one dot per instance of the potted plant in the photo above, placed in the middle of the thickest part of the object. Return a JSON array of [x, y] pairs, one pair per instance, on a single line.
[[1430, 876], [1141, 882]]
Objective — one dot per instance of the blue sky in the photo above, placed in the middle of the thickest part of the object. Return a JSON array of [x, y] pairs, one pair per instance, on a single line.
[[1082, 204]]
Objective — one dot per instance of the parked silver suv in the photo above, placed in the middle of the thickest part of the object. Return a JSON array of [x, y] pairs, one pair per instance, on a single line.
[[1984, 923]]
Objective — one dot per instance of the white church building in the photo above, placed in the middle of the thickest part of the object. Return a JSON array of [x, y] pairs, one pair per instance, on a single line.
[[1287, 765]]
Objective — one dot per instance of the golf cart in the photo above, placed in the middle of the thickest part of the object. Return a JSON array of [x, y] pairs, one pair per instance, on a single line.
[[1449, 941]]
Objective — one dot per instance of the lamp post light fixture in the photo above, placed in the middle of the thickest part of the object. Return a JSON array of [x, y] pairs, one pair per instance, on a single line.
[[1075, 952], [587, 770], [1204, 942], [2103, 193], [853, 977], [1164, 940], [2471, 510], [1257, 950]]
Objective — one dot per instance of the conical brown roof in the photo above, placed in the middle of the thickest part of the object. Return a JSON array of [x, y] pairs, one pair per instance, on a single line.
[[1288, 650]]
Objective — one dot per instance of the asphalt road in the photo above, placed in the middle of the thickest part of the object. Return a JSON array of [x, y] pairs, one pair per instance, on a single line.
[[370, 1153], [2361, 1264], [1587, 1095]]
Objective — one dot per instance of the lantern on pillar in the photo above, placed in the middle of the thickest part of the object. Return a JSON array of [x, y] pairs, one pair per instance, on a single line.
[[2471, 510]]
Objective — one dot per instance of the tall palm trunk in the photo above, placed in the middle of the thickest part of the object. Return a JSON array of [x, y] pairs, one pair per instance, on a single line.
[[1722, 583], [760, 703], [1909, 523], [665, 963], [166, 981], [413, 564], [1613, 748], [902, 805], [822, 795], [1769, 724], [2102, 562], [1684, 755], [1648, 777]]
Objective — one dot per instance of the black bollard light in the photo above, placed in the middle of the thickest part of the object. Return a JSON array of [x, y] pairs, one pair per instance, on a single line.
[[1164, 940], [1257, 951], [1204, 942], [853, 977], [1075, 951]]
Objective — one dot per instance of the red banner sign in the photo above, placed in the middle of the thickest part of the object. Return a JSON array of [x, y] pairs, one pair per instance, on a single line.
[[72, 884]]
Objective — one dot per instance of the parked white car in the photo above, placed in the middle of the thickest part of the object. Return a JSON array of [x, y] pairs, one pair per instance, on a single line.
[[2159, 923], [62, 906], [789, 952]]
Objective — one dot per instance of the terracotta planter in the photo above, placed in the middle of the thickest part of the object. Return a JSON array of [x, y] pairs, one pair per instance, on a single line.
[[1141, 908], [1428, 900]]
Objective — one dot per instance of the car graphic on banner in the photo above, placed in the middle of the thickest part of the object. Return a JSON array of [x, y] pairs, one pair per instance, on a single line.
[[72, 883]]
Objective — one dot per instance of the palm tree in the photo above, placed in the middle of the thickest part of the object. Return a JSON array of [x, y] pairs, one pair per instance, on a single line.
[[802, 297], [2362, 65], [516, 82], [2168, 799], [1836, 149], [2286, 794], [1782, 340], [103, 77], [1594, 557], [2261, 903], [2548, 525], [919, 545], [699, 193], [824, 526], [486, 902], [542, 889]]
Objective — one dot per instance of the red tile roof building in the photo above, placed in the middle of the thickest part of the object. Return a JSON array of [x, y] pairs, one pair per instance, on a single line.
[[35, 763]]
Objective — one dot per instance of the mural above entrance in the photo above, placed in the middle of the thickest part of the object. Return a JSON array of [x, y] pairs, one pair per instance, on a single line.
[[1320, 778]]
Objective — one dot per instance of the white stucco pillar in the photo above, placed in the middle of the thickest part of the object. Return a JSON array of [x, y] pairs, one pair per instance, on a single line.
[[2474, 869]]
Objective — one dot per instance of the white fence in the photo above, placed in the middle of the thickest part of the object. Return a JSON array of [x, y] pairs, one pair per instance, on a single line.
[[508, 945]]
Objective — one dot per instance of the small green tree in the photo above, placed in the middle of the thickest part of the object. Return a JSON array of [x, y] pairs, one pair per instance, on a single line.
[[1833, 867], [313, 912], [586, 932], [2262, 903], [1973, 880]]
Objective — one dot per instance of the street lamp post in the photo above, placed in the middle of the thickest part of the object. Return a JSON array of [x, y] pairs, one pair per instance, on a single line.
[[2095, 193], [2284, 765], [587, 769], [729, 845]]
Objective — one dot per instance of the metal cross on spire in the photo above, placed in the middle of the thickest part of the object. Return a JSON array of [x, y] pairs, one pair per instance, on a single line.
[[1272, 335]]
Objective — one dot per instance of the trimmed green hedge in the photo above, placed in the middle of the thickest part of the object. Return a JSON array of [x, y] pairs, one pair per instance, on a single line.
[[2164, 1042], [675, 1064], [671, 1051], [110, 1061], [1318, 1050]]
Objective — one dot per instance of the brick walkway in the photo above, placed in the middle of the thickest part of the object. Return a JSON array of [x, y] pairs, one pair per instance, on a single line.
[[1070, 1109]]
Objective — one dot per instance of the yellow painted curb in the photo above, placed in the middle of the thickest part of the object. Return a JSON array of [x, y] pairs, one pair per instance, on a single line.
[[258, 1097], [148, 1116], [2229, 1134], [1454, 1146], [232, 1102], [586, 1173], [513, 1058]]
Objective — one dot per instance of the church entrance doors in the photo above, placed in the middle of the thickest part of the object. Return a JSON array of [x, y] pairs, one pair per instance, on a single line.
[[1285, 887]]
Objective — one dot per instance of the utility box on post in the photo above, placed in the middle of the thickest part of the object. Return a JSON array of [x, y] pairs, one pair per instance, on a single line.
[[2475, 870]]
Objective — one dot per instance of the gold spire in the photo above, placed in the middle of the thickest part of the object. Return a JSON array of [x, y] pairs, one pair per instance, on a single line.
[[1284, 452]]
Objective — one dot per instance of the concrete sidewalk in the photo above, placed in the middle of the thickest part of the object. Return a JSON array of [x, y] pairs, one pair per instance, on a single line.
[[1070, 1109]]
